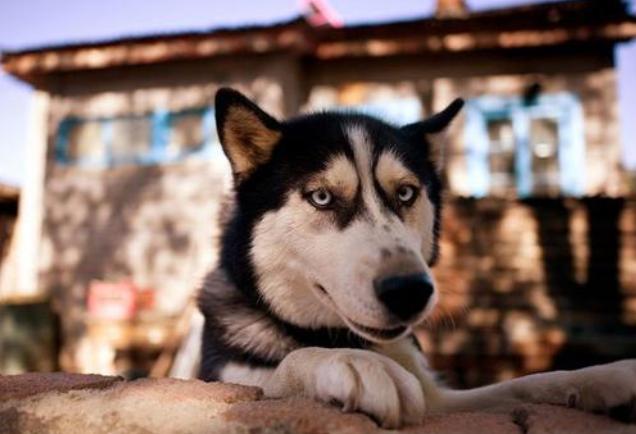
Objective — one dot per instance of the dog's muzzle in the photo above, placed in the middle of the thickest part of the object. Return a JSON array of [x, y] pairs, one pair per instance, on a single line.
[[404, 296]]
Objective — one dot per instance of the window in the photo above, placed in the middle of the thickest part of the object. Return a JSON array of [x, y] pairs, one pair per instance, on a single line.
[[187, 132], [522, 149], [544, 146], [130, 138], [501, 155], [86, 141], [142, 139]]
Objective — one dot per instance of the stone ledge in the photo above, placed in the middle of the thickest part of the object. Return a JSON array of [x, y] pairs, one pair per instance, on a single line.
[[67, 403]]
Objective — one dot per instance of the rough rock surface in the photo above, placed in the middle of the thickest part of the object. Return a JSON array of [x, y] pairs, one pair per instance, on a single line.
[[66, 403]]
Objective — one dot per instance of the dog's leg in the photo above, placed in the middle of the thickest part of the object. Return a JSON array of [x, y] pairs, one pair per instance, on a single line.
[[360, 380], [607, 388]]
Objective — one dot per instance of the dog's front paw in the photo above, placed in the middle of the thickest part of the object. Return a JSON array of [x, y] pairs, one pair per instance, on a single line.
[[608, 389], [373, 384], [359, 380]]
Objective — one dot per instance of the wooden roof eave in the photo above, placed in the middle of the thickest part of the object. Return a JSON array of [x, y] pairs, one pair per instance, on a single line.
[[30, 66], [526, 27], [480, 40]]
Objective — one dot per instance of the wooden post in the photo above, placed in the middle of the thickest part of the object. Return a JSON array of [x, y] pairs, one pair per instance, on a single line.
[[19, 277]]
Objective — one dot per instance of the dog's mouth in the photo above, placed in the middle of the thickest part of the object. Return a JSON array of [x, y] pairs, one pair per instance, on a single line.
[[379, 334], [372, 333]]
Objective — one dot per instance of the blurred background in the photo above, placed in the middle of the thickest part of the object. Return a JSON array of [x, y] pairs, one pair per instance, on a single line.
[[111, 174]]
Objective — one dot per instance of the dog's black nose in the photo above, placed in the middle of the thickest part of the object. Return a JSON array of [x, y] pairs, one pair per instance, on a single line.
[[404, 296]]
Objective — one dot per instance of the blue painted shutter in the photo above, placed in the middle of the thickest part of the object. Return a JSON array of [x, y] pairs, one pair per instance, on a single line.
[[62, 142], [160, 136], [571, 148], [523, 153]]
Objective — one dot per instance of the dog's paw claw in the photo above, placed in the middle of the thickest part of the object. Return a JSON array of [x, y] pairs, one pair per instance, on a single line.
[[573, 399]]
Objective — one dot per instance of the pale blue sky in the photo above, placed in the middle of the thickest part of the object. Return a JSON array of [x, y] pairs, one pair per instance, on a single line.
[[27, 23]]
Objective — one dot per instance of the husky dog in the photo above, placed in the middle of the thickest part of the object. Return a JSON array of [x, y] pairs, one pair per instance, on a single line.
[[325, 270]]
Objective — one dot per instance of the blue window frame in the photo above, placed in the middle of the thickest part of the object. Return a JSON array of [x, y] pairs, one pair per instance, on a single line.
[[537, 164], [155, 138]]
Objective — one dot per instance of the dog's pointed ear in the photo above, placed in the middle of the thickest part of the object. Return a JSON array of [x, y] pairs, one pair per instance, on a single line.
[[432, 132], [248, 134]]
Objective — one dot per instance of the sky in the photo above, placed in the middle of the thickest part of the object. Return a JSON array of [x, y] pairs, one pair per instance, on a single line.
[[28, 23]]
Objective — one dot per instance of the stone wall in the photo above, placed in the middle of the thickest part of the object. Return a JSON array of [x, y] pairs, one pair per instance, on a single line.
[[154, 224], [70, 404], [533, 285]]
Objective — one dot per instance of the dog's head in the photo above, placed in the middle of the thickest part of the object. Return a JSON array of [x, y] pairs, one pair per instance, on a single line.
[[343, 212]]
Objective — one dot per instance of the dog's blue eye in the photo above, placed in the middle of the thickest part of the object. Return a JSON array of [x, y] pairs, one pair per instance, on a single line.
[[405, 194], [321, 198]]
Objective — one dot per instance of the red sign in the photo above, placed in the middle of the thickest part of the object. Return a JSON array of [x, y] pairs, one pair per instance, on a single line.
[[116, 301]]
